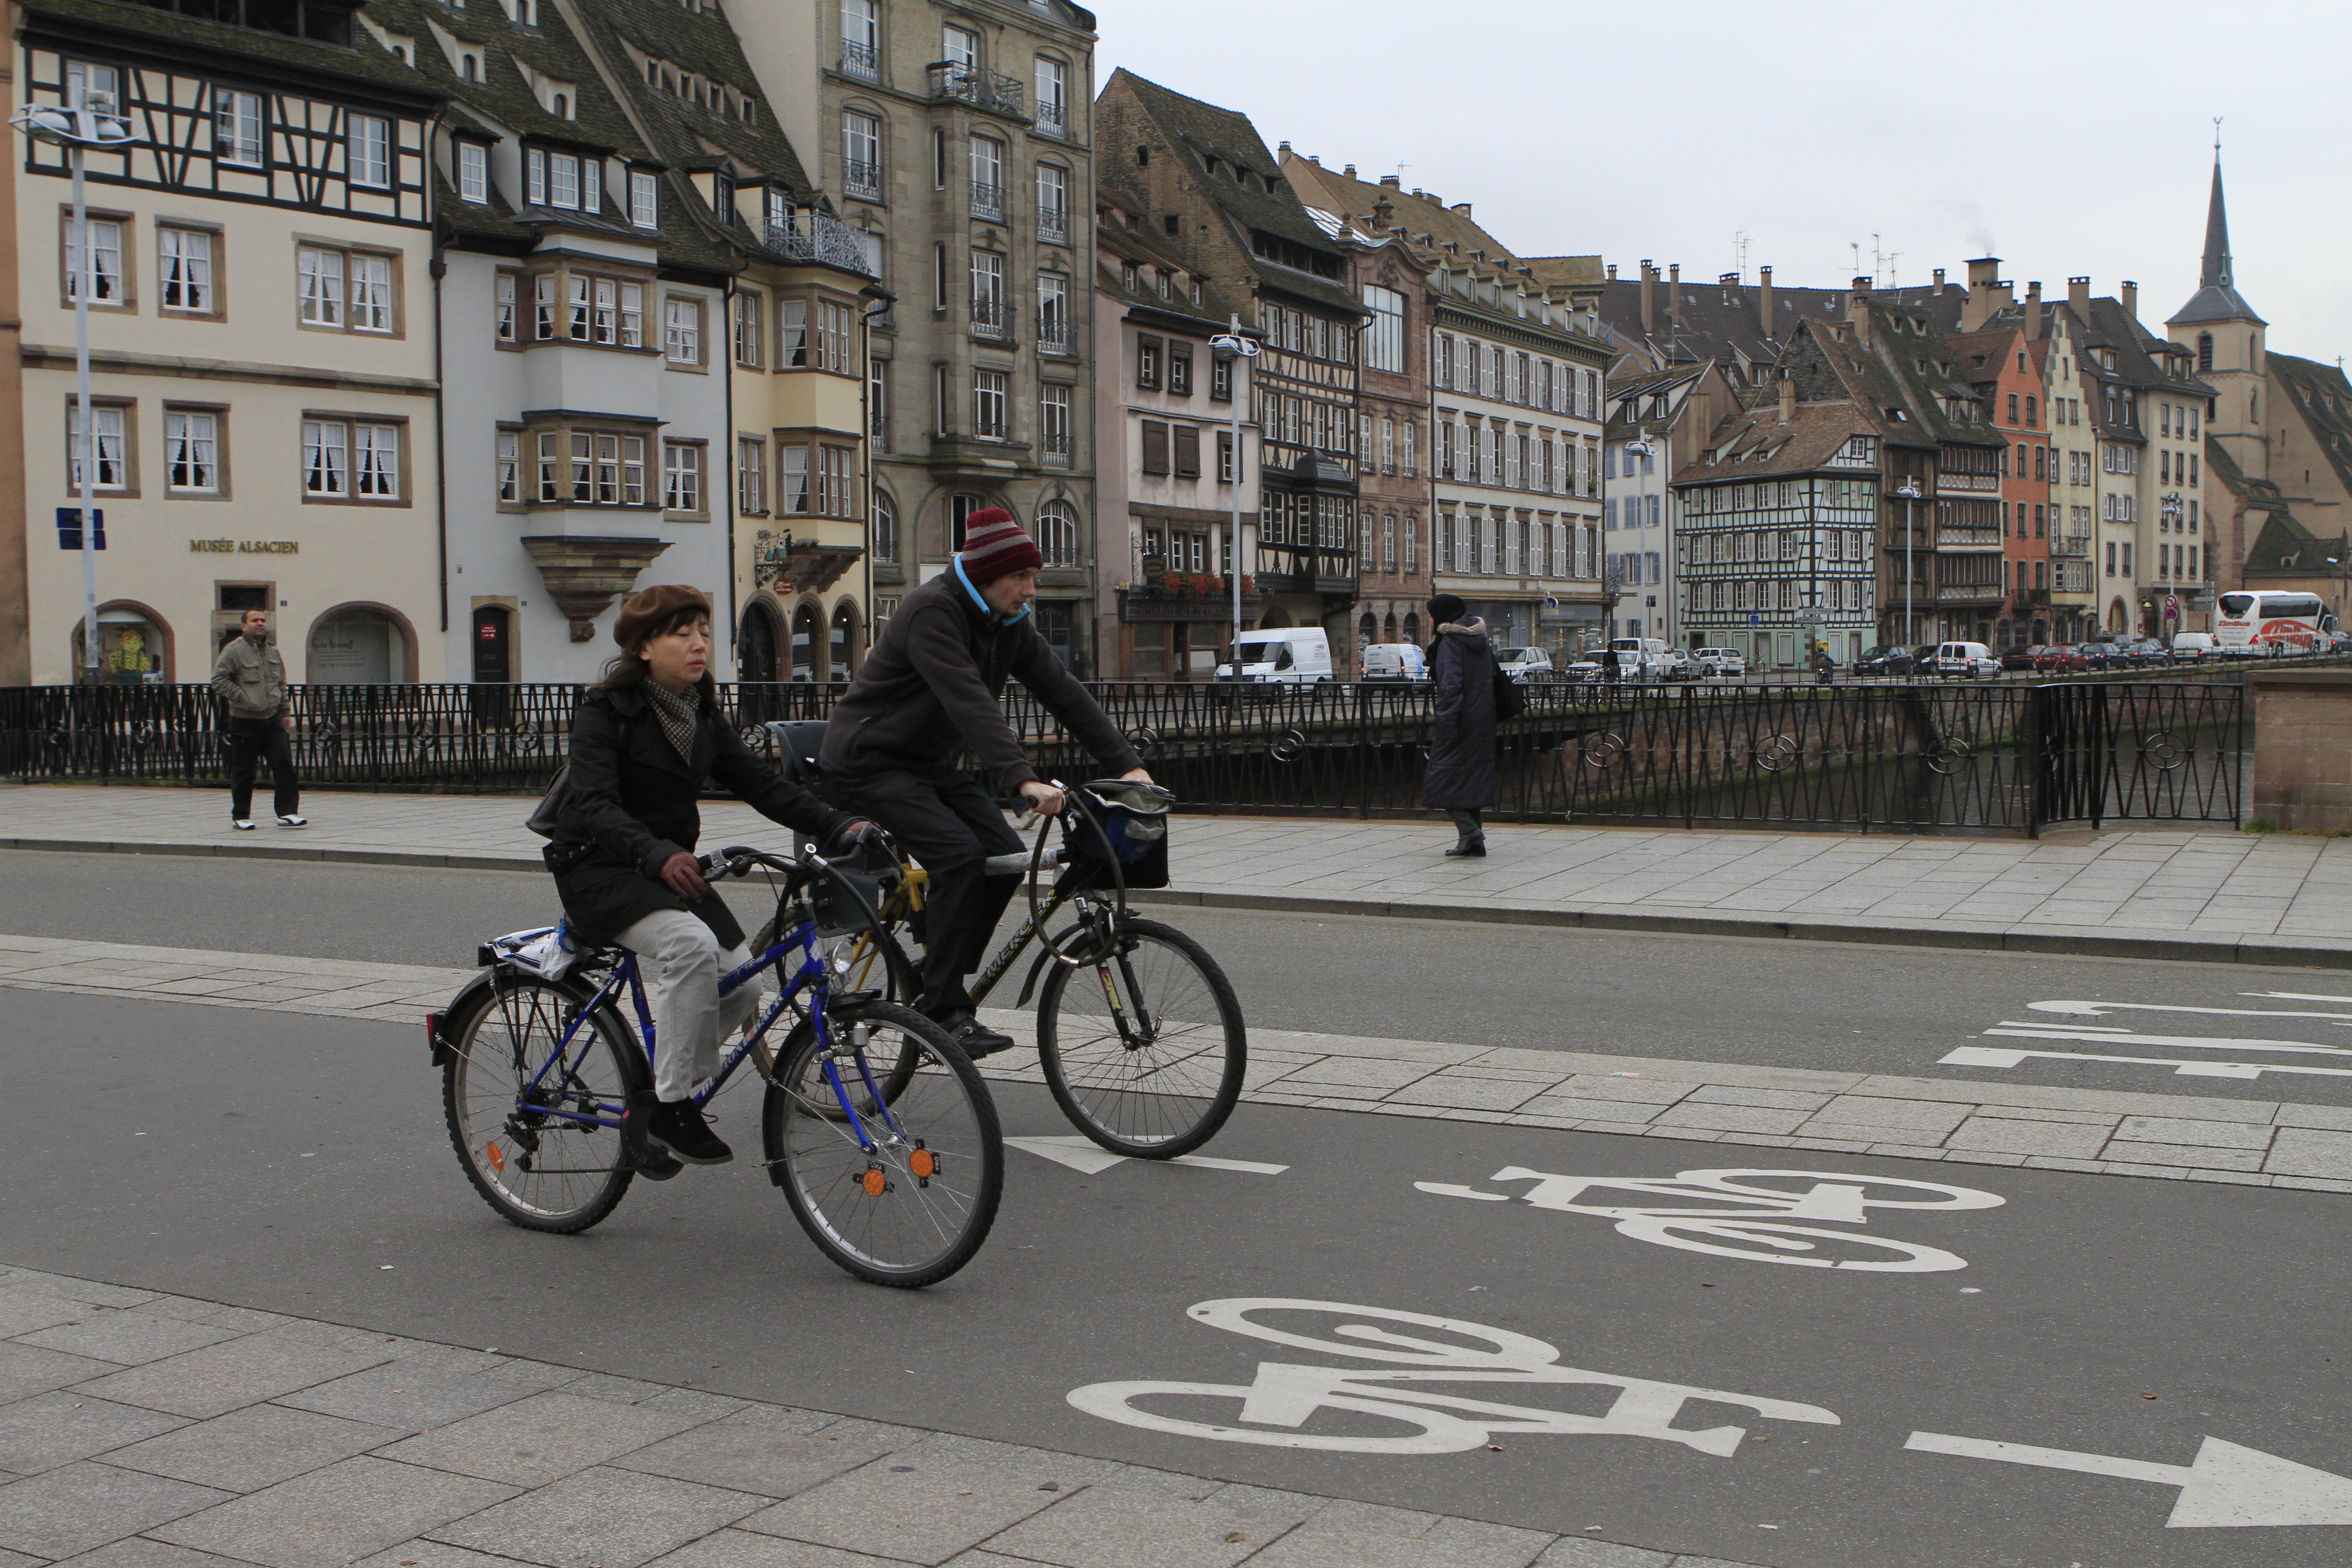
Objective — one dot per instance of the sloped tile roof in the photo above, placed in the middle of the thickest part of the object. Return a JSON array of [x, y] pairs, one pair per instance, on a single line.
[[362, 62], [2322, 398]]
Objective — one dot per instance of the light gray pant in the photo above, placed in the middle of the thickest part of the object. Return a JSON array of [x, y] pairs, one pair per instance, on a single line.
[[681, 961]]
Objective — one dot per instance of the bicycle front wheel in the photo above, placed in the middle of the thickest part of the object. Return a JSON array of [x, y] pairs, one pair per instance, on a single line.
[[886, 1146], [538, 1128], [1144, 1049]]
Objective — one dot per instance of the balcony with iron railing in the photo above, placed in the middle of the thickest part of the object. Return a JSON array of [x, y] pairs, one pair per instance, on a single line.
[[1054, 446], [987, 201], [2072, 546], [863, 61], [1054, 226], [1053, 335], [980, 88], [989, 316], [861, 179], [1052, 117], [813, 237]]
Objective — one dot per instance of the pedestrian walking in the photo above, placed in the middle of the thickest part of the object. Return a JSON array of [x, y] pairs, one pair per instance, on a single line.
[[1610, 665], [1460, 779], [250, 679]]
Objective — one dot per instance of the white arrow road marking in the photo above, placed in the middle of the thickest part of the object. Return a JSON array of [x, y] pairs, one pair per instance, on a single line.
[[2100, 1009], [1994, 1057], [2225, 1485], [2295, 996], [1085, 1154], [2112, 1036]]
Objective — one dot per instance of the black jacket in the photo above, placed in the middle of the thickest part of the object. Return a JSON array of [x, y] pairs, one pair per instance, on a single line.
[[1461, 771], [633, 806], [932, 681]]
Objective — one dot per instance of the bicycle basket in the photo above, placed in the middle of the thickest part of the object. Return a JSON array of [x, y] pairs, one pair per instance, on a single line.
[[1131, 828], [844, 897]]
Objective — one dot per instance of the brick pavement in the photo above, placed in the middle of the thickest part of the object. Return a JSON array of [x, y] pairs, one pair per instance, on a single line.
[[2218, 896], [144, 1430]]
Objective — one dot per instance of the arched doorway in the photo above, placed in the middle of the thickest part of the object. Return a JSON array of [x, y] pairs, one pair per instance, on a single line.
[[2041, 637], [1389, 627], [1412, 628], [808, 637], [2004, 629], [361, 645], [843, 650], [1368, 629], [135, 646], [2118, 618], [755, 649], [1274, 620]]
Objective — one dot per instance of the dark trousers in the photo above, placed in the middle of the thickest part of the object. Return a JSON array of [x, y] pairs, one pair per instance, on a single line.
[[951, 825], [248, 741], [1468, 824]]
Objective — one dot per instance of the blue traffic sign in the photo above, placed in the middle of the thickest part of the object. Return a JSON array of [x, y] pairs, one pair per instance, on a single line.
[[70, 528]]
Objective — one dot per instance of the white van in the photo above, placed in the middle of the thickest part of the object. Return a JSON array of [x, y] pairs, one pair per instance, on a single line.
[[1965, 658], [1641, 659], [1395, 661], [2192, 645], [1293, 656]]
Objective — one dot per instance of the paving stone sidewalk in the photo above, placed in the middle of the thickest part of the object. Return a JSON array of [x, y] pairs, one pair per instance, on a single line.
[[2176, 1136], [2222, 896], [141, 1430]]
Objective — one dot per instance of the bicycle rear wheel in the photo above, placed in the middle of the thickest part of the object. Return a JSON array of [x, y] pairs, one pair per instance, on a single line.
[[1144, 1049], [543, 1147], [910, 1202]]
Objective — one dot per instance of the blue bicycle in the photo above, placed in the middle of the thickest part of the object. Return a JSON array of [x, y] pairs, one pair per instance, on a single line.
[[877, 1127]]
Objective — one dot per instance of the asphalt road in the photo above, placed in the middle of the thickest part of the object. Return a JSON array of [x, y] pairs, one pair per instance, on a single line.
[[1759, 1000], [279, 1163]]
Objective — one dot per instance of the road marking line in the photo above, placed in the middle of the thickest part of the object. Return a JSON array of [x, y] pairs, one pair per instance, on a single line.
[[2226, 1485], [2013, 1030], [1992, 1057], [1086, 1155], [2100, 1009]]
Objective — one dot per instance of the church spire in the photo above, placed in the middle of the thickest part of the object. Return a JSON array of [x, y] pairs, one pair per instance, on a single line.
[[2217, 226]]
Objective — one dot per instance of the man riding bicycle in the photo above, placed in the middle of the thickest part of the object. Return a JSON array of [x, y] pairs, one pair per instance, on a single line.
[[643, 742], [929, 684]]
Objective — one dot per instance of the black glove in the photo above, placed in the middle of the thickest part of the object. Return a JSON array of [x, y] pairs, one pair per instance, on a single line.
[[853, 837]]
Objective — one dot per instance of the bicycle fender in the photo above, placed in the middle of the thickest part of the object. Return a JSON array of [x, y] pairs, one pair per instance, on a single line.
[[436, 1024], [1036, 970]]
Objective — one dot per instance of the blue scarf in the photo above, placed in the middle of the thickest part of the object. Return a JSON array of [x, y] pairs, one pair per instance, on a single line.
[[986, 609]]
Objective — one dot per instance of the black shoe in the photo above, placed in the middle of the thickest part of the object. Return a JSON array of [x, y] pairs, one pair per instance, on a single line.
[[643, 1156], [976, 1039], [680, 1129], [1469, 848]]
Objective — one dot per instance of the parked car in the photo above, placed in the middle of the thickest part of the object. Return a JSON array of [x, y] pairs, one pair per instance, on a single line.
[[1720, 663], [2021, 658], [1678, 663], [1524, 664], [1291, 656], [1888, 658], [1585, 669], [2061, 658], [1639, 658], [1968, 659], [2192, 646], [1395, 661], [2151, 651]]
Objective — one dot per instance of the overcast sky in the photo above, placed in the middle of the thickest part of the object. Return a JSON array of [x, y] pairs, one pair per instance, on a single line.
[[2068, 137]]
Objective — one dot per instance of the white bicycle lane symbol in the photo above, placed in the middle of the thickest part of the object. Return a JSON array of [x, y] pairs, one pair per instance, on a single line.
[[1757, 1232], [1285, 1397]]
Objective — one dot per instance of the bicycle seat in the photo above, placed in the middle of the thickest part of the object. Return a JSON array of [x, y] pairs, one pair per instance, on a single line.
[[797, 743]]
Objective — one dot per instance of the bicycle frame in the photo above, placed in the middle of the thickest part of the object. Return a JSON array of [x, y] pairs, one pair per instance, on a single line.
[[809, 976]]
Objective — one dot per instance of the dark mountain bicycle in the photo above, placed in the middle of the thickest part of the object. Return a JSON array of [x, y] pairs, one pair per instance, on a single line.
[[1139, 1034], [877, 1127]]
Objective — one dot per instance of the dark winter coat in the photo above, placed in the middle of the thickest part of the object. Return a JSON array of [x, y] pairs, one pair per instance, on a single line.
[[633, 806], [1461, 774], [931, 682]]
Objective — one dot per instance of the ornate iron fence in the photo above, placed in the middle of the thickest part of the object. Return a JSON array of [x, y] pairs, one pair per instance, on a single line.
[[1904, 758]]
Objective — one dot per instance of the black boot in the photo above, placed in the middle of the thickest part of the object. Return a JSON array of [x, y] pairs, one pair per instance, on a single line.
[[646, 1156], [679, 1128], [1469, 848]]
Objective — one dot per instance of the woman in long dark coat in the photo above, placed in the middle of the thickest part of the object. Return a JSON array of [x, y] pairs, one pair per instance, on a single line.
[[1460, 781]]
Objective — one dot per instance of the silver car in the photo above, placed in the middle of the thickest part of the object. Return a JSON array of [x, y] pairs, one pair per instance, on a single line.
[[1718, 662]]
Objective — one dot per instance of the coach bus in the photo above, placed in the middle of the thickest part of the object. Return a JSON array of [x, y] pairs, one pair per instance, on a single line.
[[2270, 622]]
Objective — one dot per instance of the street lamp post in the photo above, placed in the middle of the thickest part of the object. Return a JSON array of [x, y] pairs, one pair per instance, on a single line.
[[1645, 448], [1234, 351], [1909, 491], [2174, 509], [77, 128]]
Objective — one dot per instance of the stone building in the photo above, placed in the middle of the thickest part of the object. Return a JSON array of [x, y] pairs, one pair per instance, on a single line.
[[958, 138], [1205, 181], [2007, 366], [1166, 479], [1657, 422], [263, 430]]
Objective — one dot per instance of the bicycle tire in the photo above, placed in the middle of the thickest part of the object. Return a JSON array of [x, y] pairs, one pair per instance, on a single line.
[[853, 961], [1093, 1070], [891, 1237], [505, 1038]]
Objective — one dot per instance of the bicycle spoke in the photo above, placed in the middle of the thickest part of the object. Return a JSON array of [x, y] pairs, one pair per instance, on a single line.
[[515, 1094], [1146, 1045]]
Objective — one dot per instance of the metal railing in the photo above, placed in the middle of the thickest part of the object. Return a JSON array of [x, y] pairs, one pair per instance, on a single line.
[[988, 200], [863, 61], [1053, 119], [984, 88], [813, 237], [1896, 757], [1054, 334], [861, 177], [1054, 226], [988, 317]]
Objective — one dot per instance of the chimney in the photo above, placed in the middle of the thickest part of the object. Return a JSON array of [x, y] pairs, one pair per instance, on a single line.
[[1987, 294], [1982, 271], [1392, 182], [1612, 272], [1674, 295], [1702, 421], [2078, 295], [2033, 312], [1649, 307], [1283, 150], [1462, 207], [1858, 309], [2131, 299], [1383, 211], [1939, 280], [1764, 302], [1316, 159], [1788, 398]]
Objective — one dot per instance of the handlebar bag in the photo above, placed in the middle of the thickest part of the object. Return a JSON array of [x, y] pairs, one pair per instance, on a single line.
[[1138, 840]]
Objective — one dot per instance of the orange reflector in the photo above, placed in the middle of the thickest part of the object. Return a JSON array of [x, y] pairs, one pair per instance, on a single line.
[[498, 1157], [873, 1181], [924, 1164]]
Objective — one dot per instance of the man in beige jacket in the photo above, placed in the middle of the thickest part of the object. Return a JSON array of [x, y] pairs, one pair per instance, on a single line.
[[250, 679]]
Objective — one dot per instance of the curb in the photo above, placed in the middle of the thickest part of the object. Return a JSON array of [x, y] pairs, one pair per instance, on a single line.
[[2293, 953]]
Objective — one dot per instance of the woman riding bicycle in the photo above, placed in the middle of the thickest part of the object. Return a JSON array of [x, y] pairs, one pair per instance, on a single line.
[[643, 742], [930, 685]]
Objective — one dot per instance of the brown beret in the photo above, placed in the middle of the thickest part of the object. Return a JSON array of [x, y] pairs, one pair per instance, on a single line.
[[648, 610]]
